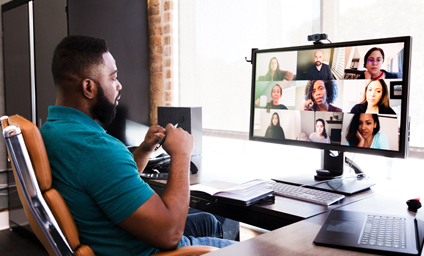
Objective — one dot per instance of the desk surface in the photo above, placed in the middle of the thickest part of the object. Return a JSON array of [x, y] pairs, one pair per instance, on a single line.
[[283, 212], [305, 219], [296, 239], [239, 162]]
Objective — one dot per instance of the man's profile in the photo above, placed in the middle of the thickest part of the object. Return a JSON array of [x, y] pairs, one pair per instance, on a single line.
[[115, 211], [320, 70]]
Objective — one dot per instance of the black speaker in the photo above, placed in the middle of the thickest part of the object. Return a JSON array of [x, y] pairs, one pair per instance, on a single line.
[[188, 118]]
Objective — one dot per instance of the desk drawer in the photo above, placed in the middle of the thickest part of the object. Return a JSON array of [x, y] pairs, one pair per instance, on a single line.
[[3, 178], [3, 199]]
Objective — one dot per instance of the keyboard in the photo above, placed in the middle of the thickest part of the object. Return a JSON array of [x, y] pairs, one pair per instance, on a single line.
[[384, 231], [306, 194]]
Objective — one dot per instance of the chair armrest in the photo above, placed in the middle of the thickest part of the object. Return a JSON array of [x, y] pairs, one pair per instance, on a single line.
[[188, 251]]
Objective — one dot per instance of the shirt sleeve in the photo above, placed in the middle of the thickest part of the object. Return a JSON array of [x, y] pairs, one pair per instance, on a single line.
[[328, 140], [330, 74], [355, 109], [110, 176], [380, 141]]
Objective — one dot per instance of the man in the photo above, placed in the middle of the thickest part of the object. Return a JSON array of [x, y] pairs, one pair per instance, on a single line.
[[319, 71], [115, 211]]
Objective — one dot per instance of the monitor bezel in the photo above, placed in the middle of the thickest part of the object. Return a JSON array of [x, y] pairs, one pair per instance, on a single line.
[[404, 122]]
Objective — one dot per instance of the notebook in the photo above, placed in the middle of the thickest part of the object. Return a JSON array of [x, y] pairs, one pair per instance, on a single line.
[[246, 194], [374, 233]]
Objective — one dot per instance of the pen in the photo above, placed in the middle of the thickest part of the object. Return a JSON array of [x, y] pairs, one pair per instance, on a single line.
[[163, 140]]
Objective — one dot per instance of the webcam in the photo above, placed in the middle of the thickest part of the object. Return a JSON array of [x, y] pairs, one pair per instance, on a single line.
[[317, 37]]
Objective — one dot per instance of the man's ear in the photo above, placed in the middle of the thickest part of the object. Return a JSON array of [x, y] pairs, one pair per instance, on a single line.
[[89, 88]]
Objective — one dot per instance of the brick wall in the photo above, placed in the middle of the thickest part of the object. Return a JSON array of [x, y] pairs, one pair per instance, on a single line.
[[160, 16]]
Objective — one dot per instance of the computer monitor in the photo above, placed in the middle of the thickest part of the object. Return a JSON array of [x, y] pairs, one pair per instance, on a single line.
[[338, 97]]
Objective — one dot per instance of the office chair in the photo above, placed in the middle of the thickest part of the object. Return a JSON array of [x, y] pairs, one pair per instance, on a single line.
[[46, 210]]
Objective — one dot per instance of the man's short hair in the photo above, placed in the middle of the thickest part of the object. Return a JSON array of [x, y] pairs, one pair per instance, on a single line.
[[76, 58]]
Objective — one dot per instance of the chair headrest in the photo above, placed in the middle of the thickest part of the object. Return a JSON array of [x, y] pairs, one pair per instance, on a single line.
[[36, 150]]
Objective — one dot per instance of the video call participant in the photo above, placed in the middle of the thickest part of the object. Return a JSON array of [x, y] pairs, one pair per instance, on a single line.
[[115, 211], [320, 70], [364, 132], [376, 99], [320, 135], [319, 94], [274, 130], [373, 60], [276, 94], [275, 73]]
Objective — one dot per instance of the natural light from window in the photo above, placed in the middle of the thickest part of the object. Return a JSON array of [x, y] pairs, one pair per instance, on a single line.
[[217, 35]]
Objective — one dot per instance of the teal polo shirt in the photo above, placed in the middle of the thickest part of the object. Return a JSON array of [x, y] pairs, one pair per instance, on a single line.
[[98, 178]]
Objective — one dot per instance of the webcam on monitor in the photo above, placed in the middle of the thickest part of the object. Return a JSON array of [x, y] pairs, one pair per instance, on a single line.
[[317, 37]]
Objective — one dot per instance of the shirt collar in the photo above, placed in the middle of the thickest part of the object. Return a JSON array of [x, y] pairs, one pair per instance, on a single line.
[[67, 113]]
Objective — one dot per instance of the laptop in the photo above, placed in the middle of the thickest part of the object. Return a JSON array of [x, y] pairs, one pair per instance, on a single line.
[[374, 233]]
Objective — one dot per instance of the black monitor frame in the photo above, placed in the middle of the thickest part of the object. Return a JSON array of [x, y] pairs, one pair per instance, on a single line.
[[404, 122]]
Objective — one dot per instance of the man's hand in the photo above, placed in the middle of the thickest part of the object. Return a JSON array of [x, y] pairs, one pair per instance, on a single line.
[[178, 142], [146, 148], [152, 138]]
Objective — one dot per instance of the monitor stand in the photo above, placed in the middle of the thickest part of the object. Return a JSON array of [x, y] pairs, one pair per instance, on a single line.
[[332, 165], [330, 177]]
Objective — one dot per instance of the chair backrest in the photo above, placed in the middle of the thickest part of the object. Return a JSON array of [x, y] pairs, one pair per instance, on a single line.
[[46, 210]]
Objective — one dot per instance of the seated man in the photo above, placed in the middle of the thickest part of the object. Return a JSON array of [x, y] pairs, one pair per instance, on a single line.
[[115, 211], [320, 70]]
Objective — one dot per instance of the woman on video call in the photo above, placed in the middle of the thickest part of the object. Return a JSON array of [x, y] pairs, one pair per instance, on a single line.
[[276, 94], [274, 130], [364, 131], [275, 73], [373, 60], [375, 100], [319, 94], [320, 134]]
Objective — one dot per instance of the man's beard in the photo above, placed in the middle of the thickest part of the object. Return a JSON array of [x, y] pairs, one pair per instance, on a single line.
[[318, 63], [103, 110]]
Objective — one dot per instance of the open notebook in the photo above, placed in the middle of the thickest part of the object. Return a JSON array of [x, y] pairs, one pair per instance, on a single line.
[[245, 194]]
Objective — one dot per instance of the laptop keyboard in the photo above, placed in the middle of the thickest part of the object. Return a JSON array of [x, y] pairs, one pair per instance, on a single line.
[[384, 231]]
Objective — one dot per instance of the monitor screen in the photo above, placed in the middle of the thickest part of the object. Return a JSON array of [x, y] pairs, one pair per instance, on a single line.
[[348, 96]]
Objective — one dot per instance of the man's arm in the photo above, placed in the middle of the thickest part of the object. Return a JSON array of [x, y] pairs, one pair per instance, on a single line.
[[160, 221]]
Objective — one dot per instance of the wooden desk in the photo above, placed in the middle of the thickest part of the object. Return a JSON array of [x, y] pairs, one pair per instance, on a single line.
[[283, 212], [297, 239]]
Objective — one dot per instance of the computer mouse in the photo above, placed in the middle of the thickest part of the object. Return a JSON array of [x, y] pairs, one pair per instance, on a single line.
[[413, 204]]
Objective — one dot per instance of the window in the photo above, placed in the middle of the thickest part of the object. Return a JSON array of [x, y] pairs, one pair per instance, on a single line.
[[368, 19], [215, 36]]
